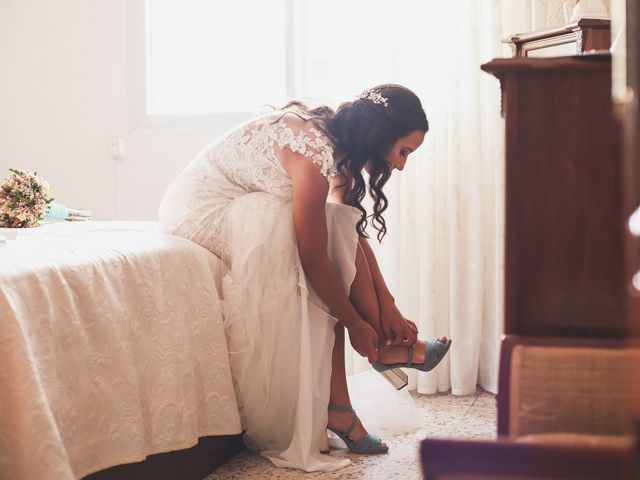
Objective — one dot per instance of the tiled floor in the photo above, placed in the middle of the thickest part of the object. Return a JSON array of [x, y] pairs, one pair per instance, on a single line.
[[443, 415]]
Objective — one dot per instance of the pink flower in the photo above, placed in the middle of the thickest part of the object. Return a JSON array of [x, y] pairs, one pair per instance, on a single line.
[[24, 199]]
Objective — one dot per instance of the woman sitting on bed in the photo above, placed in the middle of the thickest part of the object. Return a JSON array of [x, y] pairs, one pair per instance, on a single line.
[[279, 200]]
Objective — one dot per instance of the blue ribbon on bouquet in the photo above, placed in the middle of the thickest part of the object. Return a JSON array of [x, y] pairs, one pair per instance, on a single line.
[[57, 211]]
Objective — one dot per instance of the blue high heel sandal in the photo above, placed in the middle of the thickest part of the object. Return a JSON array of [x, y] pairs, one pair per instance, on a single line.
[[436, 350], [366, 444]]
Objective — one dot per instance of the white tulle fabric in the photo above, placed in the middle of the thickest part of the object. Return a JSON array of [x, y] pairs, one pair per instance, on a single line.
[[111, 348], [235, 200]]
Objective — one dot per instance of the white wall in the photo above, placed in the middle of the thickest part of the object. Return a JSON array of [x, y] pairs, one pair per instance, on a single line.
[[63, 74]]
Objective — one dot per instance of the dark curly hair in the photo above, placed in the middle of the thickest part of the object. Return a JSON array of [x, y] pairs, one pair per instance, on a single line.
[[364, 132]]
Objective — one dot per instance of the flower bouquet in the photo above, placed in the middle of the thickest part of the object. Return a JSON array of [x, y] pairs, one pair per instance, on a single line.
[[24, 199]]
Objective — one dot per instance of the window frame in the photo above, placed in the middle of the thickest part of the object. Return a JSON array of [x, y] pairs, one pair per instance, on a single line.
[[143, 123]]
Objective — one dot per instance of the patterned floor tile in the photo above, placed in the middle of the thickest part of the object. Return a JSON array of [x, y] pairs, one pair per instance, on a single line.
[[443, 415]]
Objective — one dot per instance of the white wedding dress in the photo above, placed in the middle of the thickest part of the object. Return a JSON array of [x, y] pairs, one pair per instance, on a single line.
[[235, 200]]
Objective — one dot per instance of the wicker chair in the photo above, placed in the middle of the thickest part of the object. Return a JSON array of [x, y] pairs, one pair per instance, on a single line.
[[564, 410]]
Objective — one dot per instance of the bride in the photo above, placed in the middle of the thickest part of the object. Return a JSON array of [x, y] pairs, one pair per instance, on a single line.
[[279, 200]]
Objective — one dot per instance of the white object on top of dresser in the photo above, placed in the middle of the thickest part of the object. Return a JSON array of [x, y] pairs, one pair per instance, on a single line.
[[594, 9]]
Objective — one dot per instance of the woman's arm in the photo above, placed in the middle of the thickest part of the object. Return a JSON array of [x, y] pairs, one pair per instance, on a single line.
[[395, 326], [382, 291], [310, 191]]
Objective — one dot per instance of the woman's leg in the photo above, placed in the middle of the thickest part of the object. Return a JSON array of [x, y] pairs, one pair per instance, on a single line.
[[341, 420], [363, 294], [365, 302], [364, 298]]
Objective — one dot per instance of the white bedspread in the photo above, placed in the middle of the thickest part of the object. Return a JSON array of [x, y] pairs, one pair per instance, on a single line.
[[111, 348]]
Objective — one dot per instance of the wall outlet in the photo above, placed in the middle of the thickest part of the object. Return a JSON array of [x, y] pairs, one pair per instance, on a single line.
[[115, 147]]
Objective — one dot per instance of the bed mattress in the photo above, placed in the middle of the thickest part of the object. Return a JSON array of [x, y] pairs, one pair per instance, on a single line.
[[111, 348]]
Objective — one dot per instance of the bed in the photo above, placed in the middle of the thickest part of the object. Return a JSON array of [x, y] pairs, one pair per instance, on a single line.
[[112, 348]]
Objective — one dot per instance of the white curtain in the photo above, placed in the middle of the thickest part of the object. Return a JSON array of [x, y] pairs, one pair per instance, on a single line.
[[443, 255]]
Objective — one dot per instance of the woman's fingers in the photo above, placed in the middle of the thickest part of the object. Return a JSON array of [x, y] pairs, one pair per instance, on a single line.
[[414, 331], [400, 333], [388, 332], [411, 333], [372, 355], [413, 337], [395, 337], [404, 335], [364, 340], [375, 346], [409, 337]]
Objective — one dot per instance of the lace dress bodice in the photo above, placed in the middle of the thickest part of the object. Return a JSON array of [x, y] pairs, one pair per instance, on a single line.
[[249, 155], [244, 160]]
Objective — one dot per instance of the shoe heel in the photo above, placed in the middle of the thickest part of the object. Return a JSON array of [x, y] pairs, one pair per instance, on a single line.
[[324, 443], [396, 377]]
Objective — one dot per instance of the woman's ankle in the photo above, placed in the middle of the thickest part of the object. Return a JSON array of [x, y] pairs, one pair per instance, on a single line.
[[340, 400]]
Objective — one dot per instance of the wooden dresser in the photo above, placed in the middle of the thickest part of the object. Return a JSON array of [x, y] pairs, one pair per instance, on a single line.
[[565, 227], [572, 180], [572, 39]]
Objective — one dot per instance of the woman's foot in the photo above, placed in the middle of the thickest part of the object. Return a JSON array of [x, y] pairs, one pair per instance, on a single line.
[[390, 354], [341, 421]]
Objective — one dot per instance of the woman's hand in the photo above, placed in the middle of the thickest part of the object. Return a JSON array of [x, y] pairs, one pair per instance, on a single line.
[[413, 327], [396, 327], [364, 340]]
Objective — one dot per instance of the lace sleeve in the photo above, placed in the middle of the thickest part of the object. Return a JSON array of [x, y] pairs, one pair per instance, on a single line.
[[305, 138]]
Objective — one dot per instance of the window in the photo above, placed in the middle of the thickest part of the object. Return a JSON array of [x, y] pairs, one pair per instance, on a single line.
[[195, 63], [213, 57]]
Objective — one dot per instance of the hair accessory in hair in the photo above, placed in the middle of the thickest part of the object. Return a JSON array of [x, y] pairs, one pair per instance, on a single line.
[[375, 96]]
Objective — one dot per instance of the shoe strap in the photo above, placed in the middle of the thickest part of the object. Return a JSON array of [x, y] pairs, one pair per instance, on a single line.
[[410, 355], [354, 421], [343, 408]]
